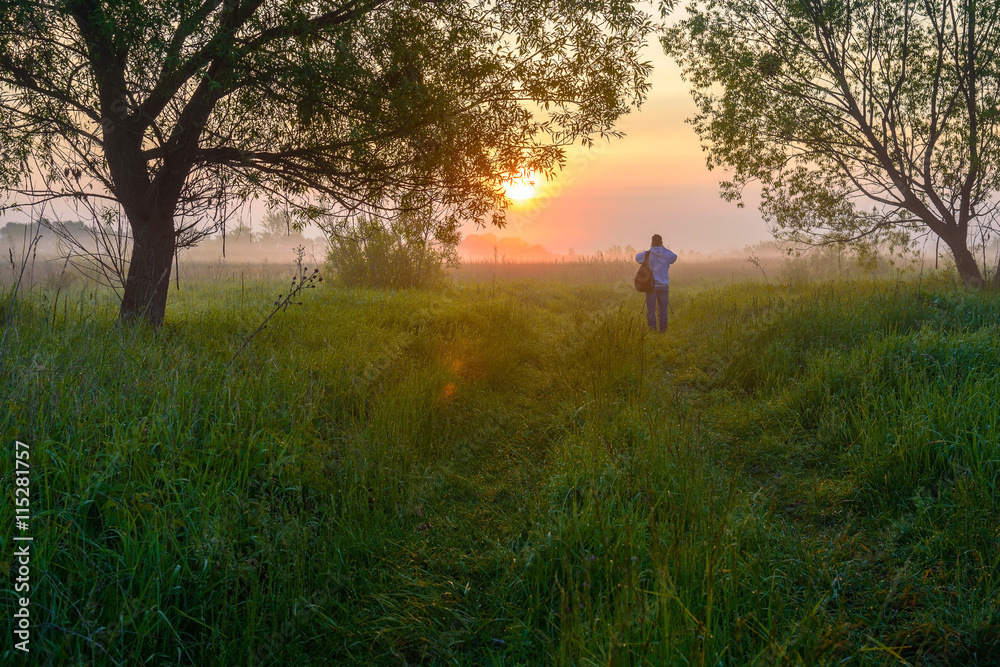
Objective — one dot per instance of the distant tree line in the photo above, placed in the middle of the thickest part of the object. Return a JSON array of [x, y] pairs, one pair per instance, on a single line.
[[16, 235]]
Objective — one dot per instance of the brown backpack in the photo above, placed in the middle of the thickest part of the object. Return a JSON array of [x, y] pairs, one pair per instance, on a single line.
[[644, 276]]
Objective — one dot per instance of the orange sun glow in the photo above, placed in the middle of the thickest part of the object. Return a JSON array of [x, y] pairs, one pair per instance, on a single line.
[[520, 187]]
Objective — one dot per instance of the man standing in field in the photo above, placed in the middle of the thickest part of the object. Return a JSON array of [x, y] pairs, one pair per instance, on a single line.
[[660, 260]]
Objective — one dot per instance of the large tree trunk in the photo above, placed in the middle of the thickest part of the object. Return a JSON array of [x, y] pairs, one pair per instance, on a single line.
[[965, 263], [145, 297]]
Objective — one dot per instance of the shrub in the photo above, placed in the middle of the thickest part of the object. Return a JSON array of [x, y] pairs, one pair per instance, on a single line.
[[410, 250]]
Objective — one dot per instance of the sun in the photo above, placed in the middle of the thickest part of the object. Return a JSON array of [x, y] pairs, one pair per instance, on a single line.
[[520, 187]]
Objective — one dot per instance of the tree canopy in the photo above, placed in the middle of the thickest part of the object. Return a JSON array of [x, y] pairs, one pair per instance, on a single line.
[[864, 121], [173, 109]]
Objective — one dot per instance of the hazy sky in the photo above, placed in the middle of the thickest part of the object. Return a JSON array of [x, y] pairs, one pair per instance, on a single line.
[[652, 181], [620, 193]]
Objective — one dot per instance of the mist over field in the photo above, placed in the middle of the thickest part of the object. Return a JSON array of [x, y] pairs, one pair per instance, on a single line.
[[482, 256]]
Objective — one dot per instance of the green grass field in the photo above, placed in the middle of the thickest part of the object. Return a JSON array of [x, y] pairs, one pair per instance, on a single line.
[[509, 473]]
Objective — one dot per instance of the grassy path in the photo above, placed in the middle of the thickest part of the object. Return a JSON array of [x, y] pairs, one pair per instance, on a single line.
[[516, 476], [855, 418], [450, 578]]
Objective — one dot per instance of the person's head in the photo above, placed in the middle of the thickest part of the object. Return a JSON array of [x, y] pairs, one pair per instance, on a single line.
[[657, 240]]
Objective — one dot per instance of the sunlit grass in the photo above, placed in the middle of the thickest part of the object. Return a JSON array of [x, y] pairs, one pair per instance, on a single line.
[[512, 473]]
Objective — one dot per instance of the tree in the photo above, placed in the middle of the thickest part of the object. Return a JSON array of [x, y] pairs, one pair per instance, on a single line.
[[277, 225], [172, 109], [864, 121], [241, 232]]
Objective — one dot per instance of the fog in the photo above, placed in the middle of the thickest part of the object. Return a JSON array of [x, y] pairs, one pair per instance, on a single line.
[[485, 256]]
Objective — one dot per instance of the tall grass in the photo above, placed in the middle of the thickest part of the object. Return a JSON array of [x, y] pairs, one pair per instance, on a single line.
[[511, 473]]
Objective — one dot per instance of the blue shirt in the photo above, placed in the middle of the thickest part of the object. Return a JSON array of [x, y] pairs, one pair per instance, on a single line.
[[660, 260]]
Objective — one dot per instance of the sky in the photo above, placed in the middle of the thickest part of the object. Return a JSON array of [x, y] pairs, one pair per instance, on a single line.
[[619, 193], [654, 180]]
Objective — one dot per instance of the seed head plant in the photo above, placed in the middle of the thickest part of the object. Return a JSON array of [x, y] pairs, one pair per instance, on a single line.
[[301, 281]]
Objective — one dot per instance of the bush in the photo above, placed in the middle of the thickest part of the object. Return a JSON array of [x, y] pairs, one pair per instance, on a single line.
[[411, 250]]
